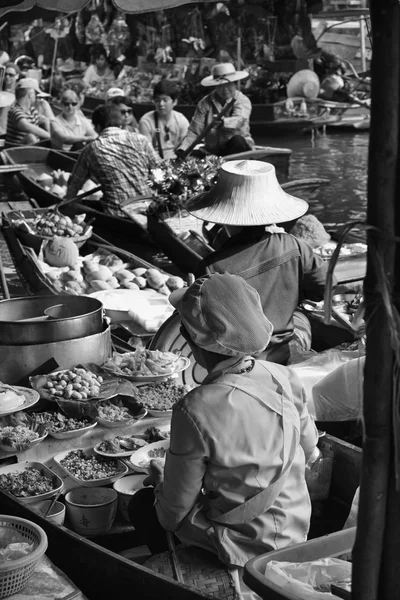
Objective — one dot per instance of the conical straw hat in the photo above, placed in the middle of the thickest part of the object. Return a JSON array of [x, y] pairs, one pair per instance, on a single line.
[[304, 84], [247, 193]]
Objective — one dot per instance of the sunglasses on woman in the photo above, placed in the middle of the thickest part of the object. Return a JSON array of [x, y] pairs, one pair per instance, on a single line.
[[70, 103], [127, 111], [10, 74]]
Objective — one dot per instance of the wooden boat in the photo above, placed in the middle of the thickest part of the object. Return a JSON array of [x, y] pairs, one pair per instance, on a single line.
[[97, 569]]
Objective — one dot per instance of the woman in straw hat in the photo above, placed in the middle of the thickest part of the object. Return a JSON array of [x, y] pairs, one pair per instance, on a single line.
[[232, 133], [284, 270], [228, 487]]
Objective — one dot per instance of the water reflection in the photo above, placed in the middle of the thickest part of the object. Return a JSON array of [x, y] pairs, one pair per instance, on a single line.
[[339, 156]]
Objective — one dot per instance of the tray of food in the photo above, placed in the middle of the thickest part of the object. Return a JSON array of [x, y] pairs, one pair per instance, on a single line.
[[14, 398], [20, 431], [146, 365], [119, 411], [62, 427], [88, 469], [346, 250], [140, 460], [119, 447], [73, 384], [159, 397], [30, 481]]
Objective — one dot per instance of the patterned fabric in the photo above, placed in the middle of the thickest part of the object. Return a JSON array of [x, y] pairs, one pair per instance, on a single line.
[[236, 123], [176, 130], [120, 162], [14, 134]]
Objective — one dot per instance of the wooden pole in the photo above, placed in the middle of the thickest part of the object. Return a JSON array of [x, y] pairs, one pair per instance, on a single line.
[[373, 522], [363, 52], [239, 53]]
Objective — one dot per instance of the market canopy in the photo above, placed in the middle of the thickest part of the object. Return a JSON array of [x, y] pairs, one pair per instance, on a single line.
[[37, 7]]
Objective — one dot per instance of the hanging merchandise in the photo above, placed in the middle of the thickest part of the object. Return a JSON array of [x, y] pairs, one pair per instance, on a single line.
[[118, 37], [80, 28], [94, 32]]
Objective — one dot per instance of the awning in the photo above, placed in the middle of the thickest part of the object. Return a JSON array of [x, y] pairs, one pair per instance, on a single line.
[[71, 6]]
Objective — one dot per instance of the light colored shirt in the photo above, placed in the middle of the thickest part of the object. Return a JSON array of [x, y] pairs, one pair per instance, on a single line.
[[81, 127], [92, 78], [120, 161], [171, 133], [231, 438], [237, 122]]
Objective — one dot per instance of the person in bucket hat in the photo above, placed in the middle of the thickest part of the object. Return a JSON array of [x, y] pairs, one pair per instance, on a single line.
[[247, 201], [231, 133], [234, 477]]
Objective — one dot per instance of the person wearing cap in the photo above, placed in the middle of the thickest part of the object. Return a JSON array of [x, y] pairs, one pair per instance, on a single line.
[[24, 124], [247, 201], [165, 127], [234, 476], [231, 134], [120, 161], [125, 104], [71, 128]]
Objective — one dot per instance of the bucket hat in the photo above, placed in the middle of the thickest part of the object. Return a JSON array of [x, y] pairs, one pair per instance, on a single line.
[[303, 84], [247, 193], [6, 99], [223, 73], [223, 313], [31, 82]]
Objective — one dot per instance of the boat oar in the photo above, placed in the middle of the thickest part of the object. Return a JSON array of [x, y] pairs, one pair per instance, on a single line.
[[77, 198], [176, 568], [208, 128], [4, 285]]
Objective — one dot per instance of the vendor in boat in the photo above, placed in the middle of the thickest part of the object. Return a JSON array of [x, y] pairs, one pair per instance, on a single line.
[[71, 129], [247, 201], [234, 477], [100, 72], [231, 133], [117, 96], [165, 127], [120, 161], [24, 124]]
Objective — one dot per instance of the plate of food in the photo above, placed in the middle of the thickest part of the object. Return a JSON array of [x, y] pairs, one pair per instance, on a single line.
[[30, 481], [156, 434], [14, 398], [20, 438], [62, 427], [119, 411], [119, 447], [146, 365], [88, 469], [159, 397], [140, 460], [73, 384]]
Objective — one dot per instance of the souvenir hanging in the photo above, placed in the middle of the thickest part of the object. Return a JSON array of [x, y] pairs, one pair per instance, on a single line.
[[94, 32], [118, 37], [80, 28]]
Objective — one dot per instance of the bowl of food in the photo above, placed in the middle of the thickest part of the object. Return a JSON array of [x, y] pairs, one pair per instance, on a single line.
[[62, 427], [56, 514], [119, 411], [159, 397], [119, 446], [89, 469], [140, 460], [126, 488], [30, 482], [20, 438], [146, 365], [91, 511]]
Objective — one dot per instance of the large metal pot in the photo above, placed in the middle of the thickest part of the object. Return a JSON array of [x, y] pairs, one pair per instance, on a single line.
[[17, 362], [23, 320]]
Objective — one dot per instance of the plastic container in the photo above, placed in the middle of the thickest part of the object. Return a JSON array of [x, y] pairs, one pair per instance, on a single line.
[[126, 488], [57, 513], [334, 544], [91, 511], [14, 575], [122, 470], [19, 467]]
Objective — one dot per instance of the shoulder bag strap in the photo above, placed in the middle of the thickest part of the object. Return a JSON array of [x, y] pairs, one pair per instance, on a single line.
[[158, 137]]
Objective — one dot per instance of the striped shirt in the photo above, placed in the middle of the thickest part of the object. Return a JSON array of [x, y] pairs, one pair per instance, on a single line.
[[237, 122], [15, 136], [120, 161]]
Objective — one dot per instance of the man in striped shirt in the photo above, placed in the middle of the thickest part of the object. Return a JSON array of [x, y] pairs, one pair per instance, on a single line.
[[24, 125], [119, 160]]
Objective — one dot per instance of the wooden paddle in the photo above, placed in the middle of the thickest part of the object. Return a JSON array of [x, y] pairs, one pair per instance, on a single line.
[[77, 198], [208, 128], [4, 285]]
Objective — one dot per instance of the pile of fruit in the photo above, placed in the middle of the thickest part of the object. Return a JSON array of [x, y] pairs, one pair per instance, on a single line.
[[74, 384], [51, 224]]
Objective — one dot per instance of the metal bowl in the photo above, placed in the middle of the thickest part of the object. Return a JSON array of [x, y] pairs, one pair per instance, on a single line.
[[23, 320]]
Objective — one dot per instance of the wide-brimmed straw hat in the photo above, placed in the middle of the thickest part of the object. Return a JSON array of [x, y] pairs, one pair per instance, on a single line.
[[223, 313], [304, 84], [6, 99], [223, 73], [247, 193]]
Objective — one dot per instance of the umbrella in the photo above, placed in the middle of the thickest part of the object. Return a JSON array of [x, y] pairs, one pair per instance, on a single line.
[[71, 6]]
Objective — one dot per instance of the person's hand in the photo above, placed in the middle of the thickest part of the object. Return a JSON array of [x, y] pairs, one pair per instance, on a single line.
[[156, 473]]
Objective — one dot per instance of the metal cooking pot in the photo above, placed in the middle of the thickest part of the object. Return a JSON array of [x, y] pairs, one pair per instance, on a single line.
[[23, 320]]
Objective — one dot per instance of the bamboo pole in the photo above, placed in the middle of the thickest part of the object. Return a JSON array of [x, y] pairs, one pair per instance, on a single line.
[[378, 375]]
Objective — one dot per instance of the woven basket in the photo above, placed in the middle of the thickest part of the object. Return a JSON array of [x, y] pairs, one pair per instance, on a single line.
[[200, 569], [14, 575]]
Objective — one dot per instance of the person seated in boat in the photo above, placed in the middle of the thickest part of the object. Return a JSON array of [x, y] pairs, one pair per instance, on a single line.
[[11, 76], [227, 487], [99, 72], [231, 133], [71, 129], [165, 127], [24, 124], [247, 201], [120, 161], [125, 104], [333, 86]]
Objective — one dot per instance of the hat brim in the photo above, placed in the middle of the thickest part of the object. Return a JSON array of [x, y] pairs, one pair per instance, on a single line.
[[175, 298], [43, 94], [6, 99], [207, 207], [211, 81]]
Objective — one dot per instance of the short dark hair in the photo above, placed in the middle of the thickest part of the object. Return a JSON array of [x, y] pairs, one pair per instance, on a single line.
[[166, 88], [107, 115], [98, 50]]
